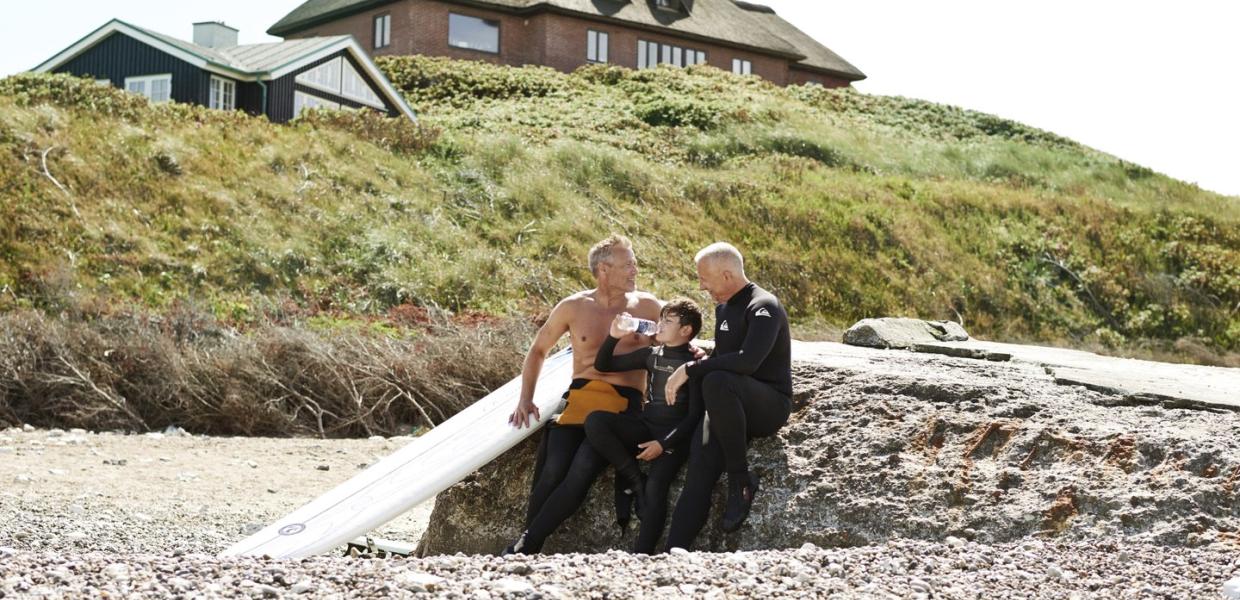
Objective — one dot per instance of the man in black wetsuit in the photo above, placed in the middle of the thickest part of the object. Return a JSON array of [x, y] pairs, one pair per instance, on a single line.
[[746, 389], [661, 433]]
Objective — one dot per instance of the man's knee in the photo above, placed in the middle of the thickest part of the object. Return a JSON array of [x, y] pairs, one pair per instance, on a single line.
[[718, 383], [598, 422]]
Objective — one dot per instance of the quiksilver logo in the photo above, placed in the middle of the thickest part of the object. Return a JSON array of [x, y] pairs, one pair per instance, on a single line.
[[724, 326], [762, 312]]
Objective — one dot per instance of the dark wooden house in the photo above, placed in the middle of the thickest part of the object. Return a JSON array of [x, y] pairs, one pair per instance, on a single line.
[[276, 79]]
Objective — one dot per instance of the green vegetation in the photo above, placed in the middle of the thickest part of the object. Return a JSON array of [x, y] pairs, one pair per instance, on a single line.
[[847, 206]]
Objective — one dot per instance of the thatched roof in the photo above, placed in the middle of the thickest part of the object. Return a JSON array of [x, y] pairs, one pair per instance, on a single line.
[[728, 22]]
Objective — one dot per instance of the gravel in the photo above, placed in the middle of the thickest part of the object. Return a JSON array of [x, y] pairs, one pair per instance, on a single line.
[[102, 515], [897, 569]]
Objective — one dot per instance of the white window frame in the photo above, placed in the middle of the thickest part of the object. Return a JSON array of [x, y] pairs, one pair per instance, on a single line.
[[107, 82], [303, 77], [147, 81], [222, 93], [597, 46], [304, 101], [741, 66], [383, 31], [373, 100]]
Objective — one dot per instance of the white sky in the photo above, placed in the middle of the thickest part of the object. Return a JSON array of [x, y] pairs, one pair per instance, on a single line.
[[1156, 83]]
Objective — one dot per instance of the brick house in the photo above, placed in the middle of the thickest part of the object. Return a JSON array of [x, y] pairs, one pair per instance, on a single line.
[[732, 35]]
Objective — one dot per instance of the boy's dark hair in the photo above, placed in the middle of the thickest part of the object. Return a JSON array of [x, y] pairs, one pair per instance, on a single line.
[[687, 312]]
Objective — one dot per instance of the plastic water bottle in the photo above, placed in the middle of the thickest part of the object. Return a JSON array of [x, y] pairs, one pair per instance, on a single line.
[[641, 326]]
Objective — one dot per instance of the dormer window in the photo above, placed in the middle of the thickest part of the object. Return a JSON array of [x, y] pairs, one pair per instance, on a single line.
[[672, 5]]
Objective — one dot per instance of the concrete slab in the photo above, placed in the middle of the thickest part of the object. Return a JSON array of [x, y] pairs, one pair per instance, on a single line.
[[1142, 380]]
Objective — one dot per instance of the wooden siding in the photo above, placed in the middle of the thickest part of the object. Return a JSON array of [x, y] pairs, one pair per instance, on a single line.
[[120, 56]]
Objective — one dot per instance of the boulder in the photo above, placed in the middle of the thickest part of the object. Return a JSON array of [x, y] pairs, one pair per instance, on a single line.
[[899, 332], [909, 445]]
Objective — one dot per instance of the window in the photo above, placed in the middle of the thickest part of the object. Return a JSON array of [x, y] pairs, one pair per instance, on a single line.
[[742, 67], [596, 46], [303, 101], [473, 33], [354, 87], [338, 76], [156, 88], [673, 5], [325, 77], [652, 54], [223, 93], [383, 31]]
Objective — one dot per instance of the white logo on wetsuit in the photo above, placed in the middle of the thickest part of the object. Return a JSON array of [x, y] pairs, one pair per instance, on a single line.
[[724, 326], [762, 312]]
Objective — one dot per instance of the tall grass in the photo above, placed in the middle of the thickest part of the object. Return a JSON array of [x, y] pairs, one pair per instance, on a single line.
[[847, 205], [145, 372]]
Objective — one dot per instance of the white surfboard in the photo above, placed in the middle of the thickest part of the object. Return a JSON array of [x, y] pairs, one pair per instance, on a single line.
[[413, 474]]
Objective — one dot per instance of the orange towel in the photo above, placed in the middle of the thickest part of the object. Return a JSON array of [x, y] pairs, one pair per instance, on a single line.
[[595, 395]]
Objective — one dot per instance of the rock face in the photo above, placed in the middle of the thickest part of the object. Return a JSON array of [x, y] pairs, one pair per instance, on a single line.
[[885, 445], [902, 333]]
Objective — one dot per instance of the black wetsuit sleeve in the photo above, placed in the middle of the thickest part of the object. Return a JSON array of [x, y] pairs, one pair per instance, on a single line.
[[760, 338], [606, 362], [692, 392]]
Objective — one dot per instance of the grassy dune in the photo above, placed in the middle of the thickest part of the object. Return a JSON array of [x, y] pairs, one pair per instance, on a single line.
[[847, 206]]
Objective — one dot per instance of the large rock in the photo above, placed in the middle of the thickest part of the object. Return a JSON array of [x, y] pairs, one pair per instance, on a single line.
[[893, 332], [886, 445]]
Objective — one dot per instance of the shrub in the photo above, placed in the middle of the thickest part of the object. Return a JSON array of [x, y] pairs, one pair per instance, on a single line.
[[73, 93], [666, 110], [394, 134], [437, 79]]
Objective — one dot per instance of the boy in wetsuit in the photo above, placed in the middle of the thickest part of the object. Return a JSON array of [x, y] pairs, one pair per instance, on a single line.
[[661, 432]]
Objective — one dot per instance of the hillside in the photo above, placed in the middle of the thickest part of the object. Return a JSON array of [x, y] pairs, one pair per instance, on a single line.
[[847, 205]]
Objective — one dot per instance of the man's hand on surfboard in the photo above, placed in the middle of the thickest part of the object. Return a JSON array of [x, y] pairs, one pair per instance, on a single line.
[[521, 416]]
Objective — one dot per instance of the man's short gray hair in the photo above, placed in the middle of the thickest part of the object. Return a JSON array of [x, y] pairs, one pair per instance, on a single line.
[[724, 253], [602, 250]]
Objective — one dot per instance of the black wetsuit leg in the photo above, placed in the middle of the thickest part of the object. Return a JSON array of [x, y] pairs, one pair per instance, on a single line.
[[616, 438], [693, 506], [556, 451], [566, 498], [659, 480], [741, 408]]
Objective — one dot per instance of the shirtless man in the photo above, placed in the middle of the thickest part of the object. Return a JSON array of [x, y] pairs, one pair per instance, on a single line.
[[566, 467]]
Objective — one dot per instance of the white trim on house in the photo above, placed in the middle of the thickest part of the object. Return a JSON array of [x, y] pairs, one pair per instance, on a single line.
[[227, 93], [148, 82], [118, 26]]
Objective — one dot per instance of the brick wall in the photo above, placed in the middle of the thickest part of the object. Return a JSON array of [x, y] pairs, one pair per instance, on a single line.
[[555, 40], [798, 76]]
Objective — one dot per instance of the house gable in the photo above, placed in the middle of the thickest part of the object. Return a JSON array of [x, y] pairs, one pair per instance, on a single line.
[[117, 51], [296, 82]]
